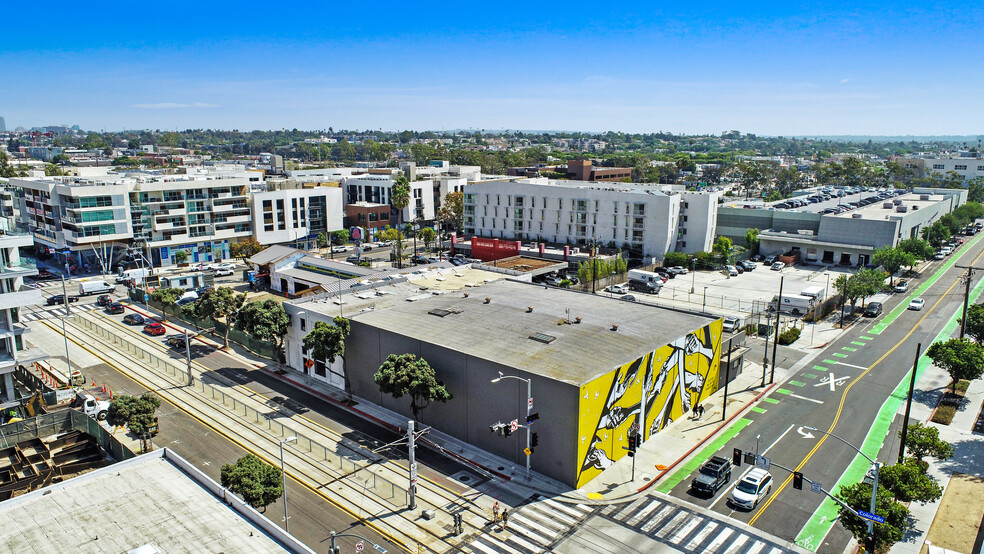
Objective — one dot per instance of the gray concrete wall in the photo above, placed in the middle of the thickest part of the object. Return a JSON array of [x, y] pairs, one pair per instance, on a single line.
[[477, 402], [868, 232]]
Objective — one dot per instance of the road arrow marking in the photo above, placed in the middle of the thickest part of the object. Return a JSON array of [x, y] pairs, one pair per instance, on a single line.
[[805, 434]]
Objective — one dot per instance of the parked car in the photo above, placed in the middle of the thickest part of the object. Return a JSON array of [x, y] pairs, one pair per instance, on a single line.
[[366, 247], [617, 289], [104, 300], [133, 319], [778, 266], [748, 265], [731, 271], [226, 265], [714, 474], [627, 298], [115, 308], [175, 341], [731, 324], [45, 274], [917, 304], [224, 272], [901, 286], [939, 255], [752, 488], [677, 270], [60, 299], [155, 329], [873, 309], [769, 260]]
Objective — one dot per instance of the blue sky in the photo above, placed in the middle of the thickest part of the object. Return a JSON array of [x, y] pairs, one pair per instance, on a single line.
[[788, 68]]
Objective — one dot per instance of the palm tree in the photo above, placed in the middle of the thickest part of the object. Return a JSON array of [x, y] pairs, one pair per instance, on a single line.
[[400, 199]]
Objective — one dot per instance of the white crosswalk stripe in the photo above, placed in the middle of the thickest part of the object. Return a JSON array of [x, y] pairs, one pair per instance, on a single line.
[[735, 546], [535, 527], [658, 518], [701, 535], [719, 540], [644, 512], [756, 548], [686, 530], [672, 524], [54, 313]]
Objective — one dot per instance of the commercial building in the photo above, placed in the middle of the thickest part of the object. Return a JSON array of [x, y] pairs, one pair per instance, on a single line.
[[651, 219], [848, 238], [968, 165], [584, 170], [14, 296], [376, 189], [598, 366], [296, 216]]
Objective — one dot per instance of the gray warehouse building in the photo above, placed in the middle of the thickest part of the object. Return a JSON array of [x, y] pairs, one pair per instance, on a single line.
[[599, 367]]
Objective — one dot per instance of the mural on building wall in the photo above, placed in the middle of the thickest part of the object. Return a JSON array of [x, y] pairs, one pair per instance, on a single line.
[[658, 387]]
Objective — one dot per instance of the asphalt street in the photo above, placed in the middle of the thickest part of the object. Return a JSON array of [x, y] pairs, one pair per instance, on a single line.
[[841, 392]]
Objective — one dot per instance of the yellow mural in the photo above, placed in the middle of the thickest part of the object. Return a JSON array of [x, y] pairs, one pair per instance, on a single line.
[[656, 388]]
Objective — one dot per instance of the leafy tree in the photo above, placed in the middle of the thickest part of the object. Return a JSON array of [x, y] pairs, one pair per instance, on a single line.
[[452, 209], [961, 358], [265, 321], [325, 341], [924, 440], [135, 413], [53, 170], [400, 199], [339, 237], [917, 247], [7, 170], [180, 256], [673, 259], [222, 303], [936, 234], [245, 248], [321, 240], [870, 282], [195, 311], [167, 297], [893, 259], [975, 322], [723, 247], [406, 374], [909, 483], [858, 497], [752, 240], [428, 235], [256, 481]]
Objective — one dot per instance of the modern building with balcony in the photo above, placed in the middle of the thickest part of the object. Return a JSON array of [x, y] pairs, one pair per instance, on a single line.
[[376, 188], [644, 218], [296, 216], [14, 296]]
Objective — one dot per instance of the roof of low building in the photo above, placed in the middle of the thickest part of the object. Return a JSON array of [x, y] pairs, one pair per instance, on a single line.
[[271, 254]]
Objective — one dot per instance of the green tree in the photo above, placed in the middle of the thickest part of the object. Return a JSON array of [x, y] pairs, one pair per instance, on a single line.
[[673, 259], [961, 358], [870, 282], [136, 413], [406, 374], [975, 322], [428, 235], [7, 170], [339, 237], [918, 247], [180, 256], [222, 303], [256, 481], [752, 240], [400, 199], [858, 497], [924, 440], [327, 341], [245, 249], [892, 260], [394, 235], [936, 234], [167, 297], [265, 321], [909, 483], [724, 247], [452, 209], [321, 240]]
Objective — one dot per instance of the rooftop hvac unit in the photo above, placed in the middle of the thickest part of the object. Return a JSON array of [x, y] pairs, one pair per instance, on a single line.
[[857, 216], [897, 202], [901, 209], [924, 197], [887, 205], [914, 208]]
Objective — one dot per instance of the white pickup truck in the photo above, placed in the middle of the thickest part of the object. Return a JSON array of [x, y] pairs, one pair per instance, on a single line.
[[94, 408]]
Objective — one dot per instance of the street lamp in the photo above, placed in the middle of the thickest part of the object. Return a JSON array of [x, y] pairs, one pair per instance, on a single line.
[[283, 477], [334, 535], [693, 274], [875, 465], [704, 305], [187, 340], [529, 408]]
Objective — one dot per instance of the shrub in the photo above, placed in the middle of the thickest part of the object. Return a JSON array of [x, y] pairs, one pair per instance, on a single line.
[[751, 329], [789, 336], [673, 259]]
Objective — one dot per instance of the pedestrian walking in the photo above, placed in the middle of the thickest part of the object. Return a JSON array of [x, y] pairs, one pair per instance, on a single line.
[[505, 519], [701, 413], [693, 412], [457, 523], [495, 512]]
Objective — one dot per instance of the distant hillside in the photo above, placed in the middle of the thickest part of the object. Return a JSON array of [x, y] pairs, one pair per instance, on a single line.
[[958, 139]]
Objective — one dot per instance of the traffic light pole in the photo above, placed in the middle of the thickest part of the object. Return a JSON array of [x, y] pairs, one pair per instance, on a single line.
[[529, 410]]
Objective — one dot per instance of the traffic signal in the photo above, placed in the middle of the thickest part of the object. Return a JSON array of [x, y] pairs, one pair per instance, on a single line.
[[507, 430], [797, 480], [736, 457], [532, 417], [492, 428], [869, 542], [632, 445], [534, 440]]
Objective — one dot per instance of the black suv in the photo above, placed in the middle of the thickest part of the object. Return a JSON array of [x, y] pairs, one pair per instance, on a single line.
[[115, 308], [873, 309], [714, 474]]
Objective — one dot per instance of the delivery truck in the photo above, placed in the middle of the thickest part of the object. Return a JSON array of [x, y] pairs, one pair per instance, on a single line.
[[795, 304], [813, 292]]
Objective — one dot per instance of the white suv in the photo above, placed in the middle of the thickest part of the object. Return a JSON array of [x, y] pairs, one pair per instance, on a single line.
[[753, 487]]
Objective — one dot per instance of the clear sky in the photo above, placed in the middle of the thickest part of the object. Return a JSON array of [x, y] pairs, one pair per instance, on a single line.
[[785, 68]]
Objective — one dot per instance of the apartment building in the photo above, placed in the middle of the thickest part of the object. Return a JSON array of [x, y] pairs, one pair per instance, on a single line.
[[651, 219], [13, 297], [296, 216], [969, 165], [376, 189]]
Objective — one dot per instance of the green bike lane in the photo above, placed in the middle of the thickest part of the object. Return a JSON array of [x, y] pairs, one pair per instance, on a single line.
[[802, 401]]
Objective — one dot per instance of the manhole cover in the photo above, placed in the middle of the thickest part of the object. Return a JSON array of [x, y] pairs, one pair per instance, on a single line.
[[465, 477]]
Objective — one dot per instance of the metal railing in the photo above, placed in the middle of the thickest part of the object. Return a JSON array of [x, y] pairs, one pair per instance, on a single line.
[[340, 460]]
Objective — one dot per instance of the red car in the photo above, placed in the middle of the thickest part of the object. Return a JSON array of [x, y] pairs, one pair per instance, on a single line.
[[155, 329]]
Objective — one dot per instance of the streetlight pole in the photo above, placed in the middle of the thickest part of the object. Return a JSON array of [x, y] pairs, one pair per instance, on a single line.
[[875, 465], [704, 305], [68, 357], [529, 408], [693, 274], [283, 477]]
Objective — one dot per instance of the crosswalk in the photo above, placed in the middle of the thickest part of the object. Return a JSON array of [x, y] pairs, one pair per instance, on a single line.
[[532, 528], [52, 313], [686, 530]]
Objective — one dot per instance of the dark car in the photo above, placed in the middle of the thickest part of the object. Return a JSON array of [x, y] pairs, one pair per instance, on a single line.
[[104, 300], [873, 309], [60, 299], [748, 265], [133, 319], [45, 274], [115, 308], [352, 259], [714, 474], [366, 247], [155, 329], [175, 341]]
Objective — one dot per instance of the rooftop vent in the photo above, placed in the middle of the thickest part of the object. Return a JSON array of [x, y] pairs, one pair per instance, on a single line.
[[897, 202], [924, 197], [901, 209], [439, 312], [857, 216], [540, 337], [887, 205]]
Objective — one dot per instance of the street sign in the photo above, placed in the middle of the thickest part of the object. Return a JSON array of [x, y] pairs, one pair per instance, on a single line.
[[413, 472], [359, 546], [763, 462], [514, 424], [816, 487], [873, 517], [529, 403], [527, 451]]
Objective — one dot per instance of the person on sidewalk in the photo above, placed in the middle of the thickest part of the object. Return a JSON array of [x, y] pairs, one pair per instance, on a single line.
[[505, 519], [693, 412], [700, 411]]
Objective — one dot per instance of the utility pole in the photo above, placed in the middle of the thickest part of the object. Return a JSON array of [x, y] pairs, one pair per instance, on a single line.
[[908, 403], [727, 379], [413, 465], [775, 341], [68, 357]]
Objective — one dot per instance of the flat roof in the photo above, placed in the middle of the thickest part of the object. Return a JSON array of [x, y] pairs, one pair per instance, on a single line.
[[155, 499], [876, 211], [271, 253], [500, 330]]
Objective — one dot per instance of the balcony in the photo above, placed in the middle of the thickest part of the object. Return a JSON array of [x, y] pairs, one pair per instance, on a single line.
[[26, 267], [21, 298], [160, 226], [176, 211], [237, 219]]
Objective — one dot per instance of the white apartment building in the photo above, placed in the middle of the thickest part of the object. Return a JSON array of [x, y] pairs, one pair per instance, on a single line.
[[375, 189], [653, 219], [297, 216], [13, 297], [969, 165]]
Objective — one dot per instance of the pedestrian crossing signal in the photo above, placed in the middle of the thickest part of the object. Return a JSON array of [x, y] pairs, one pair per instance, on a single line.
[[798, 480], [534, 440]]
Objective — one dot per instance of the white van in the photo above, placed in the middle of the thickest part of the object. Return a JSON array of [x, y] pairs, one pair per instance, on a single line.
[[135, 275], [946, 250], [95, 287]]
